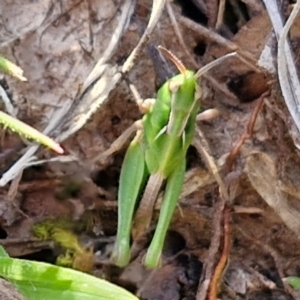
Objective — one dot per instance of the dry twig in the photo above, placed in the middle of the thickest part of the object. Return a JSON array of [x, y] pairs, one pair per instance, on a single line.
[[248, 134]]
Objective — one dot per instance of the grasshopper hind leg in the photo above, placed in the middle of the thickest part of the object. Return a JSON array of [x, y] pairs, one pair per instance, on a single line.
[[132, 179], [171, 195]]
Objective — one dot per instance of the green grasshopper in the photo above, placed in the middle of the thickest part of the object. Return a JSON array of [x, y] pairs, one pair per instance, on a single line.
[[157, 153]]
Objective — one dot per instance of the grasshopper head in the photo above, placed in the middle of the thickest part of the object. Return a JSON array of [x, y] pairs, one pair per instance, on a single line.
[[185, 80]]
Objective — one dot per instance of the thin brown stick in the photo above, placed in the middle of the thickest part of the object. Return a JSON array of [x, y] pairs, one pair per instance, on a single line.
[[220, 14], [201, 145], [211, 279], [220, 268], [209, 263], [204, 283], [179, 35], [248, 134], [215, 37]]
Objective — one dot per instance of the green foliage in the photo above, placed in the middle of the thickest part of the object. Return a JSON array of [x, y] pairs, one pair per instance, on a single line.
[[294, 282], [37, 280]]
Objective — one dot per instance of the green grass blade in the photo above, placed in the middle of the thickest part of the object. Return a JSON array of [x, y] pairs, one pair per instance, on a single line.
[[29, 132], [42, 281], [10, 68]]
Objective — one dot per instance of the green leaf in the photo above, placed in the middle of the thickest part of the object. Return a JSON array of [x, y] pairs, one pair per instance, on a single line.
[[37, 280]]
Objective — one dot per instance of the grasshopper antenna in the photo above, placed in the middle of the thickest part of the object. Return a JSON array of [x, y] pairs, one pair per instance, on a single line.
[[214, 63], [176, 61]]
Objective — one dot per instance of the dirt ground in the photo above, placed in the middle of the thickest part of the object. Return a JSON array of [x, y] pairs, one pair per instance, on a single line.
[[236, 230]]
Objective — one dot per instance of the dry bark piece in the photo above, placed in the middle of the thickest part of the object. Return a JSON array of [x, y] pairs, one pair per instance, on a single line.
[[261, 170]]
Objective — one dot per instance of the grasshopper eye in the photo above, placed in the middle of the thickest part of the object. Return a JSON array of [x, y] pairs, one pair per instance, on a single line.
[[175, 84]]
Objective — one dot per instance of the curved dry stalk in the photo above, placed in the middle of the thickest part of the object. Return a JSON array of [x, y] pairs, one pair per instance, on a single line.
[[157, 9], [287, 72]]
